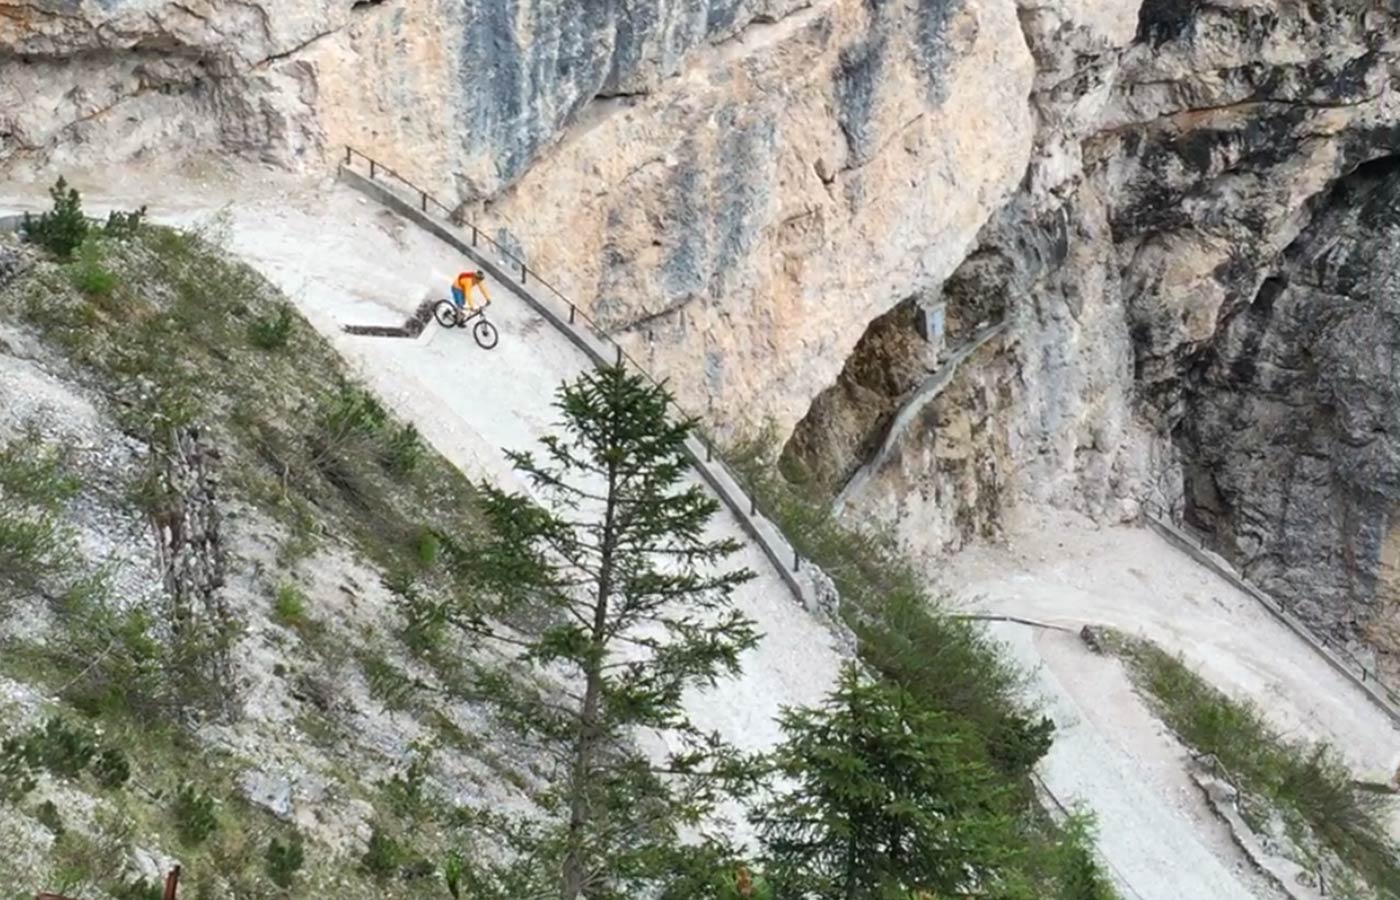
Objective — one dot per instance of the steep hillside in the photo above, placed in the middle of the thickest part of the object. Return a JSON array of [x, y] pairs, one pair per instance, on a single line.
[[212, 535]]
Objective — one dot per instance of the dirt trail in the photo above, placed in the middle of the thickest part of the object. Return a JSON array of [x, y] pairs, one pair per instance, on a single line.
[[1110, 751], [344, 260]]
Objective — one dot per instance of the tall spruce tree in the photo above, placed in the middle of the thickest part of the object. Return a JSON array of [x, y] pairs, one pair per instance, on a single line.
[[605, 579], [880, 802]]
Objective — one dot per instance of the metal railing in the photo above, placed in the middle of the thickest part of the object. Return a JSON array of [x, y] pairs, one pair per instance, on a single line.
[[747, 503], [1336, 654]]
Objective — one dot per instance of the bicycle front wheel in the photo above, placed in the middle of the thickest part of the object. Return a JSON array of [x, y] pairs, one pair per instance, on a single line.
[[485, 334]]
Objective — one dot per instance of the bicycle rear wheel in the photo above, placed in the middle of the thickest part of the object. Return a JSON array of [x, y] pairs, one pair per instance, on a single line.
[[445, 313], [485, 334]]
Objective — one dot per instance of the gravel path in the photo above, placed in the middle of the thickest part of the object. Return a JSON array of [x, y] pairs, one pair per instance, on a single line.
[[1110, 751]]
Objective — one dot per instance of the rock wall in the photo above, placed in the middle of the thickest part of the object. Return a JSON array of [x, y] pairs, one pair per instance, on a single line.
[[1292, 428], [739, 185], [1180, 148], [740, 188]]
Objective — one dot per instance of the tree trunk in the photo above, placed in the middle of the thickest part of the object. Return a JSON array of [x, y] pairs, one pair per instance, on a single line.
[[585, 747]]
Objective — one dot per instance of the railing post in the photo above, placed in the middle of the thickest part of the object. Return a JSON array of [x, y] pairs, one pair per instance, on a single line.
[[371, 170], [619, 354], [473, 235], [524, 274], [571, 314], [796, 561], [424, 195], [753, 506], [349, 155]]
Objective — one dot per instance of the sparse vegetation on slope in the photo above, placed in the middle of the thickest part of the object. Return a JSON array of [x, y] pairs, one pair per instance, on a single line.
[[1323, 810], [171, 338], [948, 667]]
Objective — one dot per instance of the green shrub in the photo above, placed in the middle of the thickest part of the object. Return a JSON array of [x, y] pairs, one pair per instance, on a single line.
[[427, 547], [403, 451], [283, 860], [61, 750], [48, 816], [124, 225], [404, 791], [388, 684], [384, 856], [1080, 876], [19, 764], [290, 606], [89, 272], [36, 474], [115, 664], [111, 768], [352, 411], [30, 549], [194, 814], [273, 331], [63, 228]]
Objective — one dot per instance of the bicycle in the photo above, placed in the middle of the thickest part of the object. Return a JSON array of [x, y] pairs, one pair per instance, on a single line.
[[449, 315]]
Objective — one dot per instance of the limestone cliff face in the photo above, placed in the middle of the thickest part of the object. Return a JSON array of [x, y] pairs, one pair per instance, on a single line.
[[1292, 429], [762, 198]]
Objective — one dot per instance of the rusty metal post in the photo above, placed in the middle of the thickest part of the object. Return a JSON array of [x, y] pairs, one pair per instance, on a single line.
[[172, 884]]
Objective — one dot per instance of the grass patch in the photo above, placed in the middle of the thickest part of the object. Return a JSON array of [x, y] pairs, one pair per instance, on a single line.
[[89, 272], [1307, 784], [272, 331], [193, 812], [289, 606]]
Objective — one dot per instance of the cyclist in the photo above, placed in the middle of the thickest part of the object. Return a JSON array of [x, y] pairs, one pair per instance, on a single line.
[[462, 290]]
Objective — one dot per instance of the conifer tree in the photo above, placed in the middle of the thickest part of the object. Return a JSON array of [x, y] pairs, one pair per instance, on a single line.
[[605, 579], [62, 229], [881, 802]]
